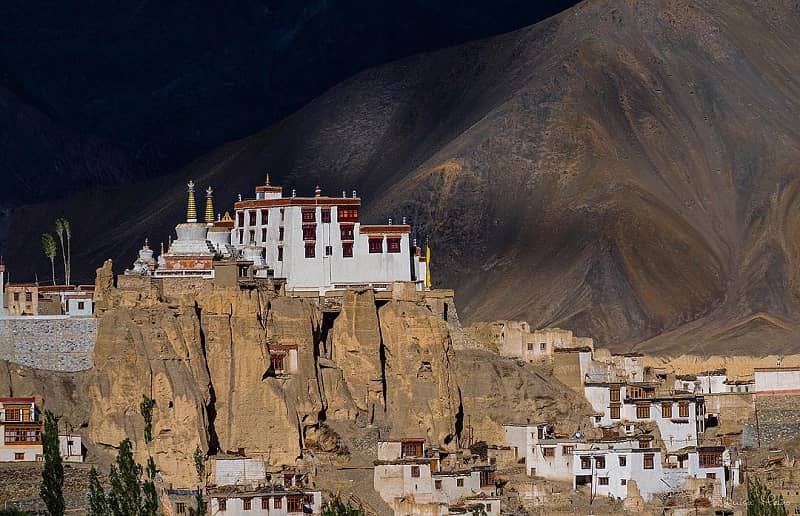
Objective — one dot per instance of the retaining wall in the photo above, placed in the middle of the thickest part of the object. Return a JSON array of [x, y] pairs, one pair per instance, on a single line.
[[55, 343]]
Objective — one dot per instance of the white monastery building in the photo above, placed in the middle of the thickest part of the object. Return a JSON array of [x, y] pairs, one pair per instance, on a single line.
[[314, 244]]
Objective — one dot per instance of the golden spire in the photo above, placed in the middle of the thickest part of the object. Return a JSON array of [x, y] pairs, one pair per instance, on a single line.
[[267, 183], [191, 207], [209, 205]]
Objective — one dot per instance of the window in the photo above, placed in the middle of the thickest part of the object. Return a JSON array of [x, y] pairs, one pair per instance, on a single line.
[[180, 508], [666, 410], [16, 296], [283, 215], [411, 449], [683, 409], [540, 432], [252, 236], [347, 232], [280, 234], [600, 462], [603, 481], [711, 475], [310, 250], [549, 451], [28, 297], [393, 245], [81, 305], [280, 254], [613, 392], [276, 361], [375, 245], [247, 504], [460, 482], [710, 459], [614, 409], [623, 482], [309, 215], [22, 435], [251, 217], [347, 214], [623, 460], [488, 507], [264, 503], [487, 478], [241, 236], [415, 471], [644, 443], [19, 456], [264, 216], [310, 232], [222, 503], [642, 411], [586, 463], [239, 219], [328, 250], [294, 503], [437, 484], [530, 346], [542, 346], [567, 450], [277, 503], [326, 214], [648, 461], [263, 234], [347, 249]]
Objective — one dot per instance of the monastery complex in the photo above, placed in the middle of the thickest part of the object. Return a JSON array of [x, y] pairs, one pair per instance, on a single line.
[[309, 245]]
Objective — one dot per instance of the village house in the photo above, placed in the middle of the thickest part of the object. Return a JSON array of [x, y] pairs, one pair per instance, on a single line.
[[32, 299], [436, 481], [267, 500], [71, 447], [22, 430], [776, 380], [516, 339]]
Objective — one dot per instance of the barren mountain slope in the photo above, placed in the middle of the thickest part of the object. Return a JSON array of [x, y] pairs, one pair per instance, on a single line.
[[620, 169]]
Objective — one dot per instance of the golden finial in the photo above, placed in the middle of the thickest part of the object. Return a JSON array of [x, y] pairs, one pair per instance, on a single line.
[[209, 205], [191, 206], [267, 183]]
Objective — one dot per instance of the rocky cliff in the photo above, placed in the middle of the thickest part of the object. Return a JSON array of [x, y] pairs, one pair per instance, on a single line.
[[376, 368]]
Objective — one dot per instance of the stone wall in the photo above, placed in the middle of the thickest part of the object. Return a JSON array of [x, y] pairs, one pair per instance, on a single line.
[[778, 420], [52, 343]]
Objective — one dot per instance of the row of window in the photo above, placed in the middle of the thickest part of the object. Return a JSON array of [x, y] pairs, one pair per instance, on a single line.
[[294, 503], [600, 461], [308, 215], [643, 410], [18, 435], [310, 234]]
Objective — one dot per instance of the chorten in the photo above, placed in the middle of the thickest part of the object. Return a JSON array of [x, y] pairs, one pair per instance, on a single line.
[[145, 264]]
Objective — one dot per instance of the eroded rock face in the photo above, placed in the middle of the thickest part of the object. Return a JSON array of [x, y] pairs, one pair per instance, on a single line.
[[203, 354]]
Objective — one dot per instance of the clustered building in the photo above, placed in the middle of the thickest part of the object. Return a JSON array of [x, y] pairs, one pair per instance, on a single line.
[[21, 427], [32, 299], [311, 245]]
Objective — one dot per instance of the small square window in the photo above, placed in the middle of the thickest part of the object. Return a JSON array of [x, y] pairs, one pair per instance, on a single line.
[[222, 503], [600, 462], [347, 249], [648, 461], [19, 456], [549, 452], [309, 215], [277, 503], [393, 245], [603, 481], [415, 471], [180, 508], [81, 305], [252, 218], [623, 460], [488, 507], [460, 482], [326, 215], [586, 463], [264, 503], [623, 482], [310, 250], [530, 346], [375, 245], [437, 484], [328, 250], [247, 504], [346, 232]]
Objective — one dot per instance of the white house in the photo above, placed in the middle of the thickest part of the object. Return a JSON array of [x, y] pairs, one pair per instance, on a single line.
[[777, 380], [70, 447], [21, 430], [319, 243], [238, 471], [523, 438], [264, 501]]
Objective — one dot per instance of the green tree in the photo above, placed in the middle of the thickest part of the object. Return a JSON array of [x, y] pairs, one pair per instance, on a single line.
[[125, 495], [336, 507], [150, 502], [98, 505], [13, 511], [51, 489], [65, 234], [761, 501], [200, 468], [146, 408], [50, 249]]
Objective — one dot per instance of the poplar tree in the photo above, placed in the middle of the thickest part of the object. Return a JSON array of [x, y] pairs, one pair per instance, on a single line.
[[761, 501], [51, 489], [125, 496], [98, 506], [50, 250], [64, 234]]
